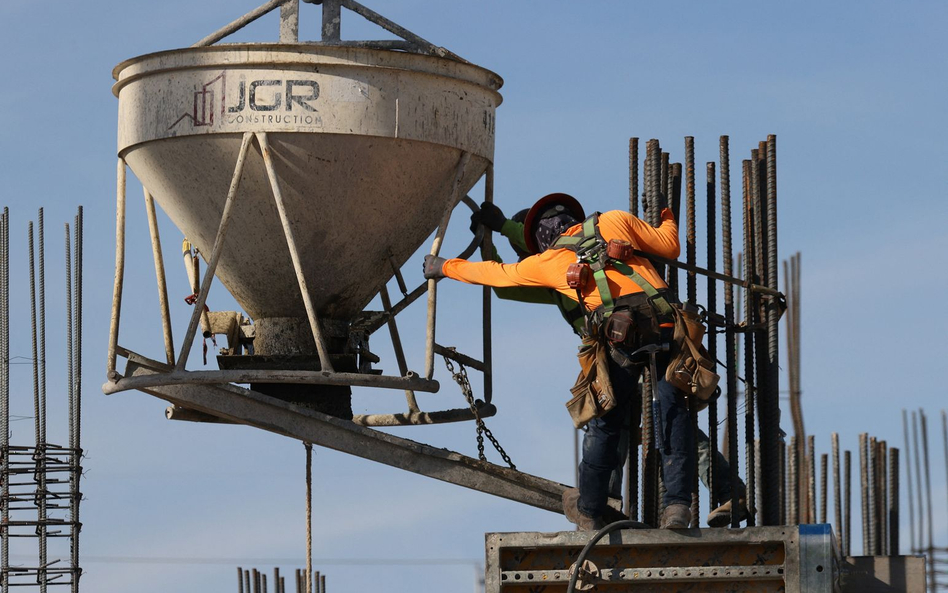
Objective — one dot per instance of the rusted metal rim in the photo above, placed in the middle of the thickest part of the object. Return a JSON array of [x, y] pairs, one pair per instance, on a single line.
[[276, 56]]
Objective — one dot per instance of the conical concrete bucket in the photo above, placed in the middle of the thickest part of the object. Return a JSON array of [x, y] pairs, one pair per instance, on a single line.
[[366, 146]]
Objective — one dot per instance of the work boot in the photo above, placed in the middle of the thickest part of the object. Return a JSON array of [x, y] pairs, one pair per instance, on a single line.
[[582, 521], [675, 516], [721, 516]]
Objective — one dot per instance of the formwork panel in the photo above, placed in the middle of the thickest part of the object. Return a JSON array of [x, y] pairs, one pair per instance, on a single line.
[[789, 559]]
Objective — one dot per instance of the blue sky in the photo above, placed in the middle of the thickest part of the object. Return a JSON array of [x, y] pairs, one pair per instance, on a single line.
[[854, 91]]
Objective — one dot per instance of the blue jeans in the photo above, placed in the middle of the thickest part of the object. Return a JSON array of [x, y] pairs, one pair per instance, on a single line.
[[673, 436]]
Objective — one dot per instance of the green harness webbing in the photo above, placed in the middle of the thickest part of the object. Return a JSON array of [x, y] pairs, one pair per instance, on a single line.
[[590, 248]]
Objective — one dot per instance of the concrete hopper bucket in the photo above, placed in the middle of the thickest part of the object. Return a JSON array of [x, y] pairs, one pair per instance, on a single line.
[[305, 174], [365, 146]]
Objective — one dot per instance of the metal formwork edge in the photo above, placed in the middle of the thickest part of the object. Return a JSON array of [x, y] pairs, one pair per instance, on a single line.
[[811, 562]]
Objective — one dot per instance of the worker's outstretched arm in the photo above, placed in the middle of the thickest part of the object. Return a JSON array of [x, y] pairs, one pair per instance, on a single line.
[[533, 271]]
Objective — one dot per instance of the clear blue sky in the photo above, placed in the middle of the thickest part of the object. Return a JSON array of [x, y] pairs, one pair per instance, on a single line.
[[855, 92]]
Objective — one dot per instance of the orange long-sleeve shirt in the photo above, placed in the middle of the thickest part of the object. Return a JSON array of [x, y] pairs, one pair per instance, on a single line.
[[548, 269]]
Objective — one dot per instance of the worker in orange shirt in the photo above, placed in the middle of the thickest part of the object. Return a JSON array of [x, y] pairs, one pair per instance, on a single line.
[[552, 230], [492, 217]]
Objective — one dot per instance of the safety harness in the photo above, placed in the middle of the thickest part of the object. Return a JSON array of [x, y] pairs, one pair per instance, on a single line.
[[593, 256]]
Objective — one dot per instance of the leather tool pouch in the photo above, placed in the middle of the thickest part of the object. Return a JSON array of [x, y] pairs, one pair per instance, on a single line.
[[690, 368], [592, 393], [619, 326]]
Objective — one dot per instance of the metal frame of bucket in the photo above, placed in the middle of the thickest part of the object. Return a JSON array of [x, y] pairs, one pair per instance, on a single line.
[[177, 374]]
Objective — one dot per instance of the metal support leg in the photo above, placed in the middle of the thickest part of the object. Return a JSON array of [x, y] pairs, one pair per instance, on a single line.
[[321, 348], [215, 255], [487, 248], [160, 275], [119, 268], [435, 248], [397, 346]]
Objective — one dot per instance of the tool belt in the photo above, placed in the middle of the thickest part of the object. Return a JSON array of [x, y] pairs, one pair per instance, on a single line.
[[592, 393], [690, 368], [634, 323]]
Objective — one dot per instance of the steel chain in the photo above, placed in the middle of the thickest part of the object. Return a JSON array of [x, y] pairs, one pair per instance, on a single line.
[[460, 377]]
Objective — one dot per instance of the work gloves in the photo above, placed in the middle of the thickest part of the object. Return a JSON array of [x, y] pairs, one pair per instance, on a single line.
[[433, 267], [490, 216]]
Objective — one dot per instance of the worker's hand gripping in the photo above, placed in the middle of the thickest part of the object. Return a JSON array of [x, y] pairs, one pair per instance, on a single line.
[[490, 216], [433, 267]]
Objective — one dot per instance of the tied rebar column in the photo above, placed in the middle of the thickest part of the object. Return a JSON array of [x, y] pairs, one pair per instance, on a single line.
[[635, 412], [847, 504], [730, 336], [75, 444], [40, 454], [824, 466]]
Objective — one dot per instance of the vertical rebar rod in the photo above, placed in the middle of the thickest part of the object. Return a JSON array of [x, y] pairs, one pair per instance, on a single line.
[[674, 203], [664, 196], [653, 168], [299, 581], [730, 336], [309, 515], [944, 434], [923, 420], [119, 268], [40, 456], [5, 392], [70, 395], [908, 477], [770, 439], [793, 504], [691, 291], [431, 320], [649, 466], [240, 580], [5, 395], [811, 479], [712, 304], [847, 503], [247, 580], [35, 365], [322, 348], [76, 446], [41, 362], [690, 241], [487, 250], [918, 485], [217, 250], [322, 584], [882, 456], [749, 341], [893, 508], [837, 495], [160, 275], [632, 466], [634, 176], [824, 467], [783, 483], [864, 494]]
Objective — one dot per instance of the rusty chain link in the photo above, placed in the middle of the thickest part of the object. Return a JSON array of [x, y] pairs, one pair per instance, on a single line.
[[460, 377]]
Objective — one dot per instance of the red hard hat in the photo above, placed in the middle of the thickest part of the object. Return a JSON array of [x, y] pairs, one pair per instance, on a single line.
[[546, 206]]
